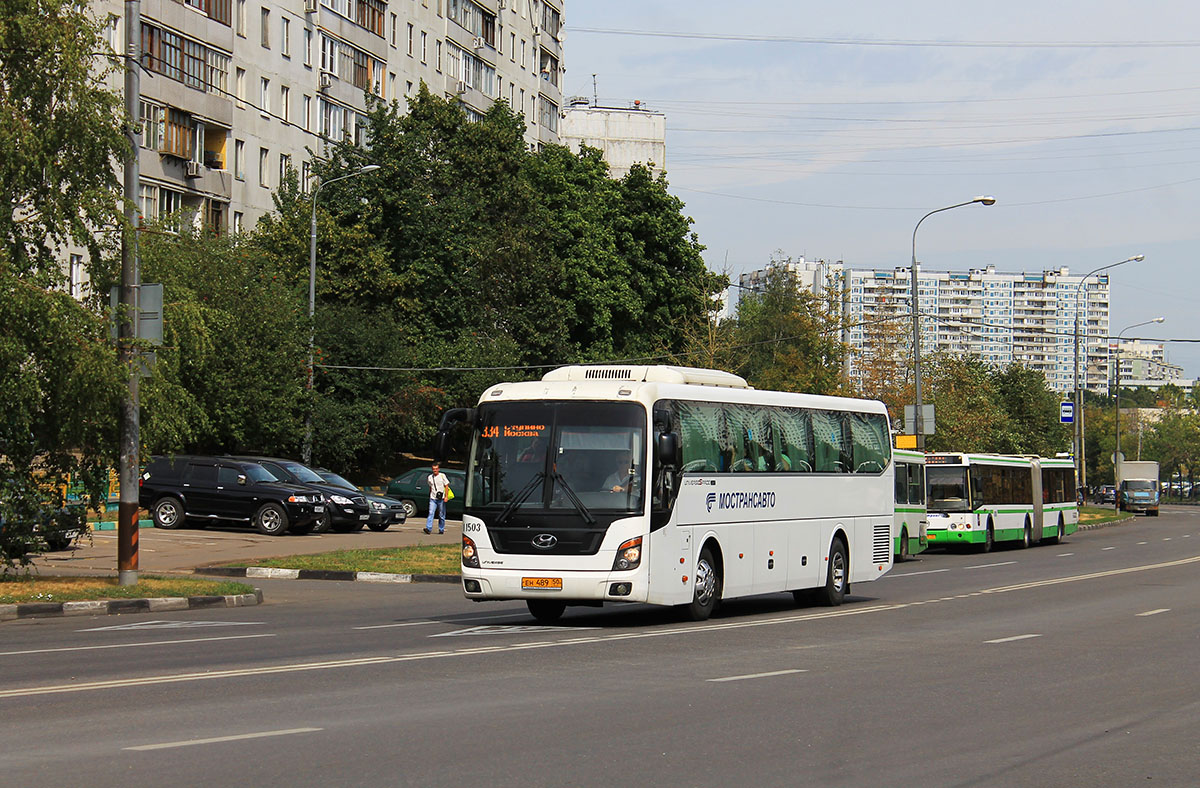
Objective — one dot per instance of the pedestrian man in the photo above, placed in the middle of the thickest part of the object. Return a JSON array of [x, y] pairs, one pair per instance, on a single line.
[[438, 484]]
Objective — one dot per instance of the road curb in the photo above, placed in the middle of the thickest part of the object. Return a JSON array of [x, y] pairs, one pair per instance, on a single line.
[[114, 607], [1109, 524], [275, 573]]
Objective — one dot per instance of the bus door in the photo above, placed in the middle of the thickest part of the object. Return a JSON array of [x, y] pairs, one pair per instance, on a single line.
[[1038, 501]]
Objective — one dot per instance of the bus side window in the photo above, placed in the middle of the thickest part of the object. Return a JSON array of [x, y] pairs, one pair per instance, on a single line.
[[916, 484], [701, 430], [829, 439], [791, 431], [901, 483]]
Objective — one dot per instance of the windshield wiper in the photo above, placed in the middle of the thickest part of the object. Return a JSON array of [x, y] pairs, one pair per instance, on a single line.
[[579, 506], [520, 497]]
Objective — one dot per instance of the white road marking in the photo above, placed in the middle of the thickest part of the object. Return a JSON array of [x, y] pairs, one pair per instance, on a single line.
[[1155, 612], [1011, 639], [1166, 538], [130, 645], [914, 574], [142, 681], [1138, 542], [173, 625], [503, 629], [1102, 549], [1187, 536], [455, 621], [756, 675], [987, 566], [1064, 555], [215, 740]]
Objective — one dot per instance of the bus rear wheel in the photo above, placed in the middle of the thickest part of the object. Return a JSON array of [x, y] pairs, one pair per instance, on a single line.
[[1058, 534], [1027, 536], [903, 545], [546, 611]]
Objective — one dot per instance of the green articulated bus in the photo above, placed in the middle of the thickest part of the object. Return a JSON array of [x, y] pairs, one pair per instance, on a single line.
[[909, 524], [981, 499]]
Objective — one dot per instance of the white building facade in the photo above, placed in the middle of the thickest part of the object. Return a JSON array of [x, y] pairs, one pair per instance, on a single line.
[[236, 92], [1002, 318]]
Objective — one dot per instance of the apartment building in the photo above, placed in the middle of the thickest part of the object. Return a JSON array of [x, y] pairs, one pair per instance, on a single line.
[[626, 136], [1144, 361], [1003, 318], [236, 92]]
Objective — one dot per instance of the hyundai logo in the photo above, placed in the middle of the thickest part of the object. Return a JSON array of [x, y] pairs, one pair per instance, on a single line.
[[545, 541]]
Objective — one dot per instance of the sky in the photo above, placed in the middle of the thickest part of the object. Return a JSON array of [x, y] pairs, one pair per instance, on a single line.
[[827, 130]]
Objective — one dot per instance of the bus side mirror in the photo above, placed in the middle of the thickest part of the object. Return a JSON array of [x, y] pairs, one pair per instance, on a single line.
[[441, 442], [668, 448]]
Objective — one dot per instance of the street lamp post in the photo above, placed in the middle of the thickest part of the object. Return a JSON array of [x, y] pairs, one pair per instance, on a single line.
[[306, 452], [919, 422], [1080, 464], [1117, 458]]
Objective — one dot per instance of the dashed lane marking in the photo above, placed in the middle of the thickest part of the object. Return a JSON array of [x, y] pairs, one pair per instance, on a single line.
[[1011, 639], [1063, 555], [1155, 612], [756, 675], [914, 574], [1102, 549], [217, 739], [989, 566]]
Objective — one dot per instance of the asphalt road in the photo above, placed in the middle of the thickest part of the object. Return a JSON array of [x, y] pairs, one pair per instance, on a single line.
[[1064, 665]]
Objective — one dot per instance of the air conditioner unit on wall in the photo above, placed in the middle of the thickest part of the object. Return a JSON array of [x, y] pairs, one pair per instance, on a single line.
[[193, 169], [460, 88], [326, 81], [310, 6]]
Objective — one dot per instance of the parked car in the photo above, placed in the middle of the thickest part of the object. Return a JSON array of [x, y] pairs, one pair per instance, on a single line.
[[1106, 494], [202, 488], [412, 490], [53, 530], [345, 511], [384, 511]]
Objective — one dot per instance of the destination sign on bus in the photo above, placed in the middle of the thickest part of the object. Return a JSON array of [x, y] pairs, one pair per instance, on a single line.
[[514, 431], [944, 459]]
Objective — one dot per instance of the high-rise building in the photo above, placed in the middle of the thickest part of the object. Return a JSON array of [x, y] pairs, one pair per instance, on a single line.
[[236, 92], [626, 136], [1002, 318]]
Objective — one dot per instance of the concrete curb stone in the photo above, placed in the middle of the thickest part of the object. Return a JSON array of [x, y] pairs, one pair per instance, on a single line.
[[114, 607], [275, 573]]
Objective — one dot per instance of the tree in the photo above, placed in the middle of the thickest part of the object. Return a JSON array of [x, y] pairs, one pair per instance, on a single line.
[[885, 365], [788, 338], [231, 374], [60, 387], [1032, 411], [60, 137], [967, 406]]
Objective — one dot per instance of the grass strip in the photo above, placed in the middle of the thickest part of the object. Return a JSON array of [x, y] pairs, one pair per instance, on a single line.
[[1094, 515], [33, 588], [414, 560]]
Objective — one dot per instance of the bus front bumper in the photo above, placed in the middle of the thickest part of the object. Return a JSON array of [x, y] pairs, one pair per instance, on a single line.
[[941, 536], [564, 586]]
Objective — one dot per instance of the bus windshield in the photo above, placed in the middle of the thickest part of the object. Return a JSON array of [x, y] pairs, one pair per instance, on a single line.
[[1139, 484], [947, 489], [558, 456]]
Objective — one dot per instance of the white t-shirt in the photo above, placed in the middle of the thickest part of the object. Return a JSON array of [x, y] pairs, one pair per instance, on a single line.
[[437, 484]]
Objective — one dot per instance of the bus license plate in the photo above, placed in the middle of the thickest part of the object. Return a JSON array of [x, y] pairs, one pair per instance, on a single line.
[[547, 583]]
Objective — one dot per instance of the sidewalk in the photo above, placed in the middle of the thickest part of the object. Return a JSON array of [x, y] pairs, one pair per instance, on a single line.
[[180, 552]]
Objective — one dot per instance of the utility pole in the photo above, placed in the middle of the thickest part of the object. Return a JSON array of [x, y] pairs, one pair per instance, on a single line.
[[127, 313]]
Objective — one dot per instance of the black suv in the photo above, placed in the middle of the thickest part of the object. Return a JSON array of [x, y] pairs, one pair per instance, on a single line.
[[345, 511], [175, 489]]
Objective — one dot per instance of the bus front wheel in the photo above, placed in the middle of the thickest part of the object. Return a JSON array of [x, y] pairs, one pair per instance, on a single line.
[[989, 538], [707, 591], [546, 611], [903, 545]]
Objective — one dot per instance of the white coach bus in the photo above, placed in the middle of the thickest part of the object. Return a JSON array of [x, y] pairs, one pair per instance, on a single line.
[[981, 499], [670, 485]]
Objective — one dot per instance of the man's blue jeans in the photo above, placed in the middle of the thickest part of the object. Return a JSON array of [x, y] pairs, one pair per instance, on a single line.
[[438, 507]]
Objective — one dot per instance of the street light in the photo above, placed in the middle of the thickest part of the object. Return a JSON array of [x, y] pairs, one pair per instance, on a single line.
[[306, 452], [1080, 464], [1117, 454], [916, 318]]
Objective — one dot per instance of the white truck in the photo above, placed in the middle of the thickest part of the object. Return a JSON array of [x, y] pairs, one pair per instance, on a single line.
[[1138, 490]]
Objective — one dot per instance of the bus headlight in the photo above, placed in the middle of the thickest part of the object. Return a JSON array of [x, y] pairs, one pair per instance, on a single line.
[[470, 558], [629, 554]]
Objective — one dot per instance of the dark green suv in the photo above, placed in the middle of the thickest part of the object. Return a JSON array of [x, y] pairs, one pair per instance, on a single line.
[[412, 490]]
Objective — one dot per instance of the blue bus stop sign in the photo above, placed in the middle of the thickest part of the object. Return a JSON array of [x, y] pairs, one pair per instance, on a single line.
[[1066, 412]]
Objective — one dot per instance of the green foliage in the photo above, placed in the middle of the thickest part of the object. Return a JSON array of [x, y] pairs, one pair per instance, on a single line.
[[231, 374], [983, 409], [61, 389], [60, 135]]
